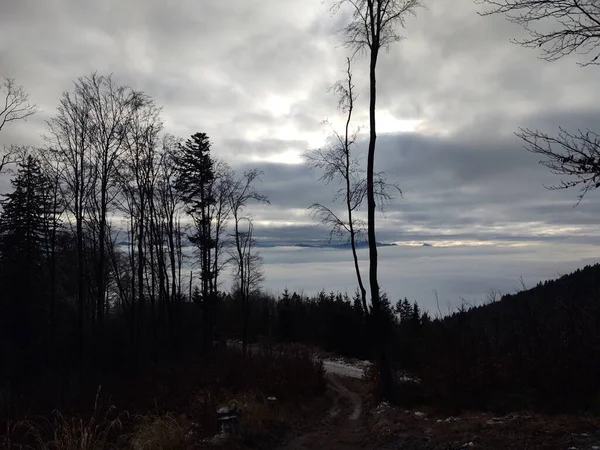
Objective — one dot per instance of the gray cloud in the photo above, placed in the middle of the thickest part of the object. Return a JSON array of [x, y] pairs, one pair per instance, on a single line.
[[254, 75]]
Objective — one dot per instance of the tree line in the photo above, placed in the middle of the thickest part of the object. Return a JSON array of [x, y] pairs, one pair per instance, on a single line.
[[110, 175], [92, 237]]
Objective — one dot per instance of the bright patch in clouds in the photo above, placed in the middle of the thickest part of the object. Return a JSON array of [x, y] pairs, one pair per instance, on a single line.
[[277, 105], [386, 123], [285, 157]]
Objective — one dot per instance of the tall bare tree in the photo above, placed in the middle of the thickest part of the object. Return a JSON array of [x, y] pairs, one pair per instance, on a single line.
[[560, 28], [338, 163], [247, 262], [170, 210], [248, 266], [374, 27], [86, 139], [138, 172], [69, 145], [113, 110]]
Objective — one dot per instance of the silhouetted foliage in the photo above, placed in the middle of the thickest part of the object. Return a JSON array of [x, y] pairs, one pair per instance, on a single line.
[[531, 349], [560, 28], [92, 242], [373, 27]]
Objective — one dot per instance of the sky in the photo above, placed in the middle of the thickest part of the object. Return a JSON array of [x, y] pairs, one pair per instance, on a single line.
[[255, 76]]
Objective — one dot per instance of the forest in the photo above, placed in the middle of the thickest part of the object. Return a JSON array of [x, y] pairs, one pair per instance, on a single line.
[[117, 239]]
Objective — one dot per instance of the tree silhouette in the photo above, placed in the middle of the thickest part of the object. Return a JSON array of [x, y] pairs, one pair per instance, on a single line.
[[195, 176], [14, 106], [560, 28], [23, 269], [373, 27]]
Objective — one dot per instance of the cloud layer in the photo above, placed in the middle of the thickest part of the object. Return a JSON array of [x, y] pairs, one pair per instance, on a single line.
[[254, 75]]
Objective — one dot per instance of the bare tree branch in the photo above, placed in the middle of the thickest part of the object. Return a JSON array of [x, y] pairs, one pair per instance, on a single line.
[[560, 28], [374, 26], [374, 22], [557, 27], [14, 103], [575, 155]]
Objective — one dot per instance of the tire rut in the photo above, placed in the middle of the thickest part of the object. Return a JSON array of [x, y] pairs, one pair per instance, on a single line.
[[342, 427]]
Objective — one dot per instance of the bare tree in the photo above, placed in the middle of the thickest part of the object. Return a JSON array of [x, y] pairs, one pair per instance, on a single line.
[[374, 26], [560, 28], [220, 210], [86, 139], [339, 164], [114, 110], [69, 145], [169, 211], [247, 262], [137, 167]]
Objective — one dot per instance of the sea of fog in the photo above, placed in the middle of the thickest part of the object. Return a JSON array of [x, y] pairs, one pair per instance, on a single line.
[[456, 273]]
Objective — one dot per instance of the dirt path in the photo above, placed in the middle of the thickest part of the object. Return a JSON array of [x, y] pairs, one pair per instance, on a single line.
[[343, 427]]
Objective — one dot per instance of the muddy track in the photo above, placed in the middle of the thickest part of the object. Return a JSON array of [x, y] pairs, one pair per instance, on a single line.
[[344, 425]]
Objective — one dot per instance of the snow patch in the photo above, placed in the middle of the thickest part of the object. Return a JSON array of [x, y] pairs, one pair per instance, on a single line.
[[344, 369], [408, 379], [448, 420]]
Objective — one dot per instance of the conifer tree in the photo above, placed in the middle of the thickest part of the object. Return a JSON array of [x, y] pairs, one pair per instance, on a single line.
[[23, 237], [195, 176]]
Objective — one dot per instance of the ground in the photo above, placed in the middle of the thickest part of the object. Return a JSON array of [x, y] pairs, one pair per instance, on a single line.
[[344, 426], [353, 421]]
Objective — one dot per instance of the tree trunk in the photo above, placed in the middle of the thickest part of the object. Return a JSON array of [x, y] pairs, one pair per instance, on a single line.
[[377, 322]]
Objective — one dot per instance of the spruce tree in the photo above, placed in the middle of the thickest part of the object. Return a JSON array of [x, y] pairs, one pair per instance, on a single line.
[[195, 176], [24, 225]]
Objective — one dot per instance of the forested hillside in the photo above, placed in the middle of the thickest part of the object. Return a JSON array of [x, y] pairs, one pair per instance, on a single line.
[[536, 348]]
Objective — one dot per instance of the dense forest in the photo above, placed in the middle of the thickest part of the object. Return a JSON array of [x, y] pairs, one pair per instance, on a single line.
[[92, 236], [532, 349], [86, 296]]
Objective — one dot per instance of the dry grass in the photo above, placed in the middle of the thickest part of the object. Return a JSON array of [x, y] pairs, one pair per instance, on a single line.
[[256, 415], [183, 401], [62, 433], [161, 432]]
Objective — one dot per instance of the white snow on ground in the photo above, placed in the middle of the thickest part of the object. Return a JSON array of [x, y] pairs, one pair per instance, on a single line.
[[409, 379], [343, 369]]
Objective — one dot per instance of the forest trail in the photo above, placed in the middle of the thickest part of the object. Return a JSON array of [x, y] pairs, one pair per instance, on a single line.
[[343, 426]]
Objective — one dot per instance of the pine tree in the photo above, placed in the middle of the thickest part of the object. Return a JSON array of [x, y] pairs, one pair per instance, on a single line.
[[25, 222], [195, 176], [416, 315], [24, 225]]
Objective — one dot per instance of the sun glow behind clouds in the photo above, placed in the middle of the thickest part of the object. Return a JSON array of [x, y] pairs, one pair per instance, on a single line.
[[386, 123], [287, 130]]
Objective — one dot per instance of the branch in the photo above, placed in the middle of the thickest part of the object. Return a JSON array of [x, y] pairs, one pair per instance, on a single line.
[[16, 105], [574, 155], [576, 25]]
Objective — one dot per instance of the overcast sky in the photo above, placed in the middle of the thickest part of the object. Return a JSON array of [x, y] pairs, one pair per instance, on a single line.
[[254, 75]]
